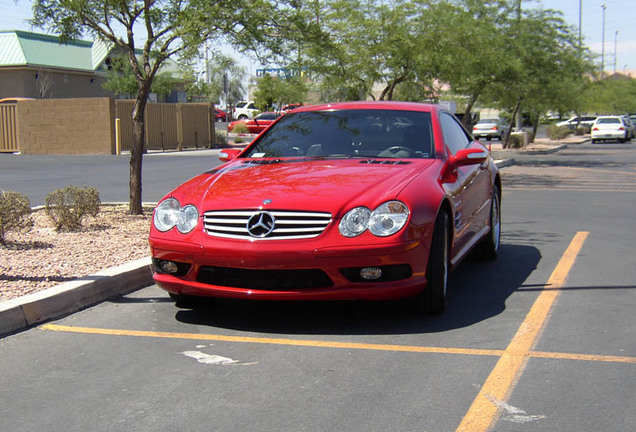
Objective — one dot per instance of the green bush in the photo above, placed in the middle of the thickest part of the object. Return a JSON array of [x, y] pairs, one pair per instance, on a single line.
[[67, 207], [557, 132], [15, 212], [240, 128]]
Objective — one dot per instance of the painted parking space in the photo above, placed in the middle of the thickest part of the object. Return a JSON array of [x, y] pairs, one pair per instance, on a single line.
[[492, 400]]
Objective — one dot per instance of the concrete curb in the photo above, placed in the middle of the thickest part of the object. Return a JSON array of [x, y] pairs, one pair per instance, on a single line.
[[67, 298], [545, 151], [502, 163]]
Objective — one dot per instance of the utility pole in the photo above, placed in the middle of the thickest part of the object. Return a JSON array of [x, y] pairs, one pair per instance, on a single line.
[[615, 39], [603, 44], [580, 23]]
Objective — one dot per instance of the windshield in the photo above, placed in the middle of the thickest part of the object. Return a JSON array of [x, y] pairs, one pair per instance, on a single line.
[[348, 133]]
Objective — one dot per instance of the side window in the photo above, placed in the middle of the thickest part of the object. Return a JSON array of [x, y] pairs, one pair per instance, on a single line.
[[455, 136]]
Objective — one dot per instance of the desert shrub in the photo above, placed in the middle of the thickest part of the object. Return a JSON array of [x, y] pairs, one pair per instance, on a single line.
[[515, 141], [557, 132], [15, 212], [67, 207], [240, 128], [582, 130], [221, 139]]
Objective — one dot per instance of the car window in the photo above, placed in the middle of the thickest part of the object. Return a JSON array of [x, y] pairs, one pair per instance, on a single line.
[[267, 116], [251, 106], [455, 136], [608, 120], [348, 133]]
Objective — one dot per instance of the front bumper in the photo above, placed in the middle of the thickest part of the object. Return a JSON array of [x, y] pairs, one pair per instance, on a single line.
[[290, 270]]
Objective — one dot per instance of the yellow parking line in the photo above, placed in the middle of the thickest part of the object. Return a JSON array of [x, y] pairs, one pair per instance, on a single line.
[[498, 386], [331, 344], [583, 357], [273, 341]]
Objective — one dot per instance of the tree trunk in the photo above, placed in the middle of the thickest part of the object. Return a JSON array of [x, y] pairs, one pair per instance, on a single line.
[[506, 142], [535, 127], [467, 117], [136, 156]]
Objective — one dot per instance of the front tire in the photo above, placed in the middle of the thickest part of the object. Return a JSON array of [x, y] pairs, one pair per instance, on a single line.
[[432, 300]]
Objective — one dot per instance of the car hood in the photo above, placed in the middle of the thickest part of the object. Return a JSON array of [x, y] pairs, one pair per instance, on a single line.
[[311, 185]]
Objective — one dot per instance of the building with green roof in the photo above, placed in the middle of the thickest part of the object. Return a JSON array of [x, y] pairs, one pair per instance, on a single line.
[[40, 66]]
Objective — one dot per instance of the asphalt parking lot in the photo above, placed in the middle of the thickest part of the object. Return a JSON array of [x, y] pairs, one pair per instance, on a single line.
[[540, 340]]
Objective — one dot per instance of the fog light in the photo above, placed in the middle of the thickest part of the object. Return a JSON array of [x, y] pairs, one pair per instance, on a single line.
[[169, 267], [371, 273]]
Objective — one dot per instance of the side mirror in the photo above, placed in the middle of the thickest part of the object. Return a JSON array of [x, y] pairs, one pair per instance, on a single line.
[[468, 157], [226, 155]]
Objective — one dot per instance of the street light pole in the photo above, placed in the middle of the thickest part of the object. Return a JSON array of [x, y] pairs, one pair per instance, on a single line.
[[615, 39], [580, 22], [603, 43]]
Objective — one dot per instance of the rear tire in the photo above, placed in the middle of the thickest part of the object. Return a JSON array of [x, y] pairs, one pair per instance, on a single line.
[[489, 247], [432, 300]]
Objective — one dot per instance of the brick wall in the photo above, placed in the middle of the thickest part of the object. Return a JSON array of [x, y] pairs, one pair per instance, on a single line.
[[67, 126]]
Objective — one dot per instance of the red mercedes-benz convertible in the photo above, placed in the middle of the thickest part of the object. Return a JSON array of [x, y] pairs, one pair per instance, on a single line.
[[359, 200]]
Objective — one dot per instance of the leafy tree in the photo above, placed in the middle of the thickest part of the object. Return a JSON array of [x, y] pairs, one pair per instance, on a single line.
[[275, 92], [478, 54], [226, 79], [121, 80], [170, 28], [611, 96]]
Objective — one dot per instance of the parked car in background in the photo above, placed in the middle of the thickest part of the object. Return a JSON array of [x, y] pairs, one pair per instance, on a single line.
[[256, 125], [572, 122], [490, 128], [328, 204], [244, 110], [220, 115], [609, 128], [631, 128]]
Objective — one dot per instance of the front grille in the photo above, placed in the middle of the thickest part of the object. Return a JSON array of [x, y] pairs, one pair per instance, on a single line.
[[287, 225], [272, 280]]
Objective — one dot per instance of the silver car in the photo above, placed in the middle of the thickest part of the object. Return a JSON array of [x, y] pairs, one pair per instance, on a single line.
[[490, 128]]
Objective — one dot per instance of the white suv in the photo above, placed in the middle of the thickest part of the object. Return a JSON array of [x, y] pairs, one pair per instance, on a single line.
[[244, 110]]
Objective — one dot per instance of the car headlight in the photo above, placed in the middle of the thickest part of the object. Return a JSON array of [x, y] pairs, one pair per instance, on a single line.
[[384, 221], [169, 214], [355, 222], [388, 219]]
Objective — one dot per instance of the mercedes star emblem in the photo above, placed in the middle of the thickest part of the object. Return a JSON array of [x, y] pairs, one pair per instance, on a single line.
[[261, 224]]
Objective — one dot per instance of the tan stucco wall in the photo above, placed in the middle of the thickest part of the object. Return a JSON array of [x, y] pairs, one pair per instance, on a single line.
[[66, 126], [41, 83]]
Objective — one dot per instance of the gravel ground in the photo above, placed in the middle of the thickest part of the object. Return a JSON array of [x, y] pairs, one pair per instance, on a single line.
[[40, 258]]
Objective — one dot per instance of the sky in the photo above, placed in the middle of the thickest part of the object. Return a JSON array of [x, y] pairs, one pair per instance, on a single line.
[[620, 27]]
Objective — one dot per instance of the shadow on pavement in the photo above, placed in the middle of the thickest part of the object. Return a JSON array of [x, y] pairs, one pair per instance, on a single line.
[[477, 291]]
